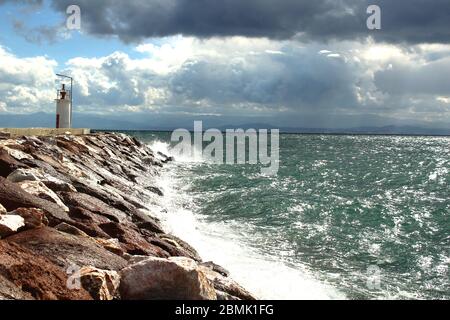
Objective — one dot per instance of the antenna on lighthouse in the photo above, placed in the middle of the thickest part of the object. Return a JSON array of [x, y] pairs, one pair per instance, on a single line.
[[64, 104]]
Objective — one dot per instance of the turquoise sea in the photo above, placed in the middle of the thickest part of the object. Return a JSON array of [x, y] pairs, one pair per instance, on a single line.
[[346, 217]]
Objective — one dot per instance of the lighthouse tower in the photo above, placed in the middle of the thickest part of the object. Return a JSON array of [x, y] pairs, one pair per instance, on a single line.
[[64, 108]]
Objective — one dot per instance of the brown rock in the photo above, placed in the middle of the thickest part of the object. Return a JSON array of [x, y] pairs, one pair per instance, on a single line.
[[88, 222], [69, 229], [40, 190], [132, 241], [215, 267], [59, 186], [135, 259], [160, 279], [151, 226], [51, 161], [112, 245], [9, 291], [34, 218], [181, 247], [13, 197], [67, 250], [36, 275], [226, 285], [76, 199], [101, 284], [20, 151], [107, 197], [71, 146], [8, 164], [145, 221]]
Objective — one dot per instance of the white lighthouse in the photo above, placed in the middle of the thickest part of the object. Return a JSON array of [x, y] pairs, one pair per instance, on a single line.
[[64, 106]]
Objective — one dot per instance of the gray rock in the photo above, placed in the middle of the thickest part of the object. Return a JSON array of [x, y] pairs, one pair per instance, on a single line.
[[10, 224], [21, 175], [40, 190], [226, 285], [176, 278], [215, 267]]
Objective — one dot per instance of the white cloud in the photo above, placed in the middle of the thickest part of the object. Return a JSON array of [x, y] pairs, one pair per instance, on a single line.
[[26, 84], [241, 76]]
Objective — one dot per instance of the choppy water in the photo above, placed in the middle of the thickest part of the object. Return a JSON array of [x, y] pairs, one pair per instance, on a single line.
[[357, 217]]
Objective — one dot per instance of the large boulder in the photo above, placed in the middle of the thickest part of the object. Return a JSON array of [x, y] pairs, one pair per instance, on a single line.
[[176, 278], [35, 275], [10, 224], [67, 250], [101, 284]]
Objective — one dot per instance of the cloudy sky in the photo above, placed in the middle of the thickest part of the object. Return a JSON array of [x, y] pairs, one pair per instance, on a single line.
[[287, 63]]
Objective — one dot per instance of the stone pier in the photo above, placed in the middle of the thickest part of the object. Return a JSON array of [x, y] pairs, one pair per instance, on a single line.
[[18, 132]]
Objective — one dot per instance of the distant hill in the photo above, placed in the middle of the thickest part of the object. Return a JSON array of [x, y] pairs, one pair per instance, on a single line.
[[406, 130]]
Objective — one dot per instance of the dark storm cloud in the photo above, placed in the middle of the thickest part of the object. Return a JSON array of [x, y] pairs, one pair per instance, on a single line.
[[297, 79], [408, 21], [414, 21], [22, 1]]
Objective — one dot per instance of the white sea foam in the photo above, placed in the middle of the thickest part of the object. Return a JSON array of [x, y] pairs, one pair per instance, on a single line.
[[268, 277]]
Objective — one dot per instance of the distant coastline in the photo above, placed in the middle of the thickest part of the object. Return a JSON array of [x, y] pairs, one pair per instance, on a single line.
[[116, 123]]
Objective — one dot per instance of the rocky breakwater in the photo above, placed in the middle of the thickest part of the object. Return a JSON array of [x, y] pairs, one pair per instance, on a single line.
[[75, 224]]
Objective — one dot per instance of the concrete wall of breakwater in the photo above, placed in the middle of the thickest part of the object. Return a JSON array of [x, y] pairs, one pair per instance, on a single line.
[[17, 132]]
